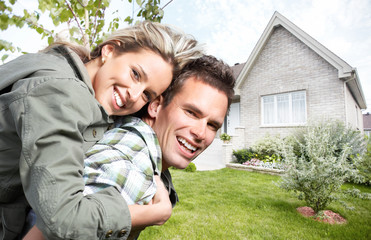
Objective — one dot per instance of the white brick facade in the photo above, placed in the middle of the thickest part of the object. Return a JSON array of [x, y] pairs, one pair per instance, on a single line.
[[286, 64]]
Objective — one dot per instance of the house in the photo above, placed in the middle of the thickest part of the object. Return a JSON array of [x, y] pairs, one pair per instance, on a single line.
[[367, 124], [288, 80]]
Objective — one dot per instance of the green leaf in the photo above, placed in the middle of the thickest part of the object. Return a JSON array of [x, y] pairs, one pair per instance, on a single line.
[[5, 56], [39, 30], [50, 40]]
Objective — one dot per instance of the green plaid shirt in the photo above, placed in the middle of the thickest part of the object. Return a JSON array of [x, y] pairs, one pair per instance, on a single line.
[[127, 157]]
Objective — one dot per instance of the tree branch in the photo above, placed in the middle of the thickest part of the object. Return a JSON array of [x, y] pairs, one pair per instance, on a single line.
[[95, 24], [77, 21], [166, 4]]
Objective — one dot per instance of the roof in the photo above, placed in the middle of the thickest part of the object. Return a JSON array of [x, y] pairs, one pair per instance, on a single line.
[[367, 121], [236, 69], [345, 71]]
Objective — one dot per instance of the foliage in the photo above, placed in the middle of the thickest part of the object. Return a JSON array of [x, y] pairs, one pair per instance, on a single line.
[[243, 155], [326, 159], [268, 146], [234, 204], [191, 167], [364, 166], [225, 137], [85, 19]]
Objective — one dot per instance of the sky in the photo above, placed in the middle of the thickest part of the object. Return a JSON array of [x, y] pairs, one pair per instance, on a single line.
[[231, 28]]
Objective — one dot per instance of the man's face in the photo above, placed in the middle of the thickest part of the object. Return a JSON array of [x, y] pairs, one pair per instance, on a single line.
[[187, 126]]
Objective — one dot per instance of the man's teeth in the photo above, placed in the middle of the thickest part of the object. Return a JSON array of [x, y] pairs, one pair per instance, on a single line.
[[118, 99], [187, 145]]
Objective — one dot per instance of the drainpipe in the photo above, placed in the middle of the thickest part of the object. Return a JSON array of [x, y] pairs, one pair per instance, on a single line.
[[345, 96]]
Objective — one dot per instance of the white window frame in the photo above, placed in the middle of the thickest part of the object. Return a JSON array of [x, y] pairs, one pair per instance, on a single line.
[[275, 116]]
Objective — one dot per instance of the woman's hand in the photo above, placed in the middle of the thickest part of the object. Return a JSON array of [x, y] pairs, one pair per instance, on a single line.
[[155, 213]]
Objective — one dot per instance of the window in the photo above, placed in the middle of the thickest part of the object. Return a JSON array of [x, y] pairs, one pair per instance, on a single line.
[[284, 109]]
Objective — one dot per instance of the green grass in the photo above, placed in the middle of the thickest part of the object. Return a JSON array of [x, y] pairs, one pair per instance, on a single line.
[[234, 204]]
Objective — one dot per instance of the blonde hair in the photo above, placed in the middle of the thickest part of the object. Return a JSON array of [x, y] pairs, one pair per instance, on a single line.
[[173, 45]]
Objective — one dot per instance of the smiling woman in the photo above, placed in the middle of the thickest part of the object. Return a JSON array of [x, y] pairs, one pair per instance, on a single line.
[[57, 104], [123, 90]]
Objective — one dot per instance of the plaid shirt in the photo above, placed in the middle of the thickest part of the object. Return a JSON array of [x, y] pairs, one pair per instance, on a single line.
[[127, 157]]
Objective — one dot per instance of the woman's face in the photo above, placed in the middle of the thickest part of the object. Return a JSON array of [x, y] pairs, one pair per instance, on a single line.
[[124, 83]]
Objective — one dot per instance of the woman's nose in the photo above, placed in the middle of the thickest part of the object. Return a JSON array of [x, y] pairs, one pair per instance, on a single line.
[[134, 92]]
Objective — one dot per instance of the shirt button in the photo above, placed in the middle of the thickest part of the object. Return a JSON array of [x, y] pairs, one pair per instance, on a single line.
[[122, 233], [109, 233], [94, 132]]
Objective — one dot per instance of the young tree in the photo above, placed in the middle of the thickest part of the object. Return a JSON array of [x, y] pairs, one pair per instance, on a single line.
[[85, 19], [319, 160]]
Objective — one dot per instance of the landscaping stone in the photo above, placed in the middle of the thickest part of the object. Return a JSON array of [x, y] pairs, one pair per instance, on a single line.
[[254, 169]]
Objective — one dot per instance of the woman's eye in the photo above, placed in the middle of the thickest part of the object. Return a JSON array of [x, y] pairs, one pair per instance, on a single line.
[[146, 96], [135, 74]]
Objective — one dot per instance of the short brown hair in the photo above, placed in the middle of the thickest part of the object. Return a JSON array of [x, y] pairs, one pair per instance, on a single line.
[[206, 69]]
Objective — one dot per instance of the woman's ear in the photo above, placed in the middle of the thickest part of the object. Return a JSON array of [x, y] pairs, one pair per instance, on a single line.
[[107, 51], [154, 106]]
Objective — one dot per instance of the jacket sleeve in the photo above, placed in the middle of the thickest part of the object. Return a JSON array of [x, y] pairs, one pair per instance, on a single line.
[[51, 116]]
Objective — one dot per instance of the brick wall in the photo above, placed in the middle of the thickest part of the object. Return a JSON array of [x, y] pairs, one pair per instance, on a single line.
[[286, 64]]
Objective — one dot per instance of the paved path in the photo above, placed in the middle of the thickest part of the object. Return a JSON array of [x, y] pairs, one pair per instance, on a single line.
[[211, 158]]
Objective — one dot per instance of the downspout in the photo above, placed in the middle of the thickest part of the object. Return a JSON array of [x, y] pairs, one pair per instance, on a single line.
[[345, 97]]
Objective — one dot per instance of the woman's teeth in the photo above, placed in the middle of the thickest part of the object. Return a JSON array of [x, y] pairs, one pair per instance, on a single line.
[[118, 99], [187, 145]]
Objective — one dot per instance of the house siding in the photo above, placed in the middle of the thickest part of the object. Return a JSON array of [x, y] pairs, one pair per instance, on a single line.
[[286, 64], [353, 113]]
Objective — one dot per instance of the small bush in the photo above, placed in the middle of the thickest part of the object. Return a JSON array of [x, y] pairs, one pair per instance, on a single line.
[[268, 148], [225, 137], [319, 161], [243, 155], [364, 166], [191, 167]]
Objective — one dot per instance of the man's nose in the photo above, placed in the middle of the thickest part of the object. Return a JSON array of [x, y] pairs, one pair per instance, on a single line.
[[199, 130]]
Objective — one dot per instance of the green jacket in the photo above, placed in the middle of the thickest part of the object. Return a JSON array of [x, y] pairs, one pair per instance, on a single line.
[[49, 118]]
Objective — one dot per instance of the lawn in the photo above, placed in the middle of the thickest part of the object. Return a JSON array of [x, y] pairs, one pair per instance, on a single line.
[[235, 204]]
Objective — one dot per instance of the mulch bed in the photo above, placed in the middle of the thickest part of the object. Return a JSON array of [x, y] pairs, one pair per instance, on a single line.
[[327, 216]]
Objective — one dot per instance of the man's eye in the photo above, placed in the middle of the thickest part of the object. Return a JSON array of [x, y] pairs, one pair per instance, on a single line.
[[190, 113], [213, 127]]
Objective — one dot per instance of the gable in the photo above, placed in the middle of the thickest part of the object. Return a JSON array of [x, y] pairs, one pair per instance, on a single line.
[[345, 71]]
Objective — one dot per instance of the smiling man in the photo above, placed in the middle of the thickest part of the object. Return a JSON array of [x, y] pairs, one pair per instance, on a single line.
[[175, 128]]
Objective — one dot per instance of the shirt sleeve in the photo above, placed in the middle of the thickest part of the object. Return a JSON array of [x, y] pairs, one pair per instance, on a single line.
[[50, 118], [121, 160]]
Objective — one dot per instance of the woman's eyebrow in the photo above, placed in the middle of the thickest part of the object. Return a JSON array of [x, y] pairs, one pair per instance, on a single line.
[[145, 76]]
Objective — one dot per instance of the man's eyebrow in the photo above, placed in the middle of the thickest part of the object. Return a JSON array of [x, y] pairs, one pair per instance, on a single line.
[[195, 109]]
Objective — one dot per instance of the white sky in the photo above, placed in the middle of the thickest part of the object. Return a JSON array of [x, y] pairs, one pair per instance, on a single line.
[[231, 28]]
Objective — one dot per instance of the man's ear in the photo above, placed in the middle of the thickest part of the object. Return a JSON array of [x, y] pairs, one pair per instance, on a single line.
[[154, 106]]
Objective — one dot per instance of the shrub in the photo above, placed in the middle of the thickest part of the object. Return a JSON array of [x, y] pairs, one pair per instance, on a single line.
[[268, 148], [191, 167], [243, 155], [364, 166], [319, 160], [225, 137]]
